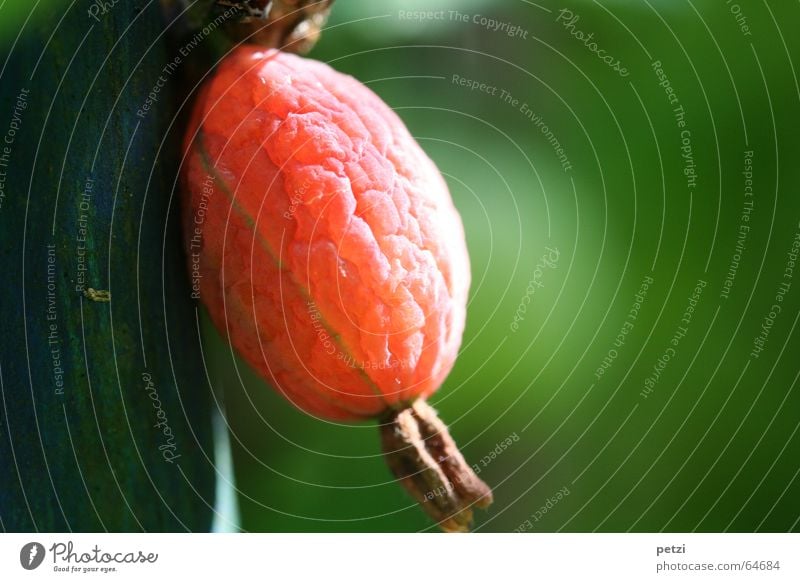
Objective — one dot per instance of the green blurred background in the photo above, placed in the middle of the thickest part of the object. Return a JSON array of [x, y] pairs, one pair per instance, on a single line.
[[714, 446]]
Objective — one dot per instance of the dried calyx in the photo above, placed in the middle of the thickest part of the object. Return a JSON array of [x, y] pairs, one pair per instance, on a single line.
[[291, 25], [423, 456]]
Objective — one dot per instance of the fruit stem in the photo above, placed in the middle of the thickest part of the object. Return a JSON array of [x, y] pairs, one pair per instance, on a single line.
[[290, 25], [424, 457]]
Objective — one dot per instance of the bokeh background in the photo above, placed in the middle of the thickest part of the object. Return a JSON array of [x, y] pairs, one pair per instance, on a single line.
[[714, 445], [566, 404]]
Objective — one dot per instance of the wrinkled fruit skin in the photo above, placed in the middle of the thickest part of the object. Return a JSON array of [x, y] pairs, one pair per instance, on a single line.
[[322, 239]]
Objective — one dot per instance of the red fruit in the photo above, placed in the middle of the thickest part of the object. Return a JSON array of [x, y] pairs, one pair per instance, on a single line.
[[322, 239]]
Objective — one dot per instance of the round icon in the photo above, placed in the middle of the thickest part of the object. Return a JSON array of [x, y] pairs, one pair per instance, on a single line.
[[31, 555]]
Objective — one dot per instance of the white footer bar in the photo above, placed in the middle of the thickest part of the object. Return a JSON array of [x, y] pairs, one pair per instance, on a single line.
[[401, 557]]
